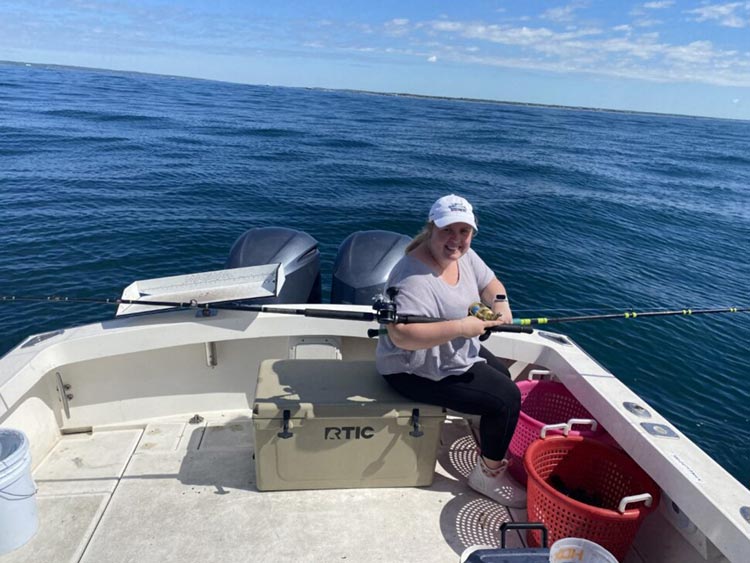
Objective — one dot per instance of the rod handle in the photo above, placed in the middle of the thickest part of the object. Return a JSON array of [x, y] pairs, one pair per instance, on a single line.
[[506, 328]]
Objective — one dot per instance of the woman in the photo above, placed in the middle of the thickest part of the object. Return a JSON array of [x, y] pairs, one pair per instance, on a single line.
[[443, 363]]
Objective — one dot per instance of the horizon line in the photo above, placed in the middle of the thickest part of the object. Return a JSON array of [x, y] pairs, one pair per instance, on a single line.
[[385, 93]]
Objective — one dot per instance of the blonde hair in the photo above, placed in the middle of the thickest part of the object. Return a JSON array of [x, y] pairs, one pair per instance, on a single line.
[[422, 236]]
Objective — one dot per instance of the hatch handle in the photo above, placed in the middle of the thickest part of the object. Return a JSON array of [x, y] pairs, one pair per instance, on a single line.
[[284, 434], [416, 427], [506, 526]]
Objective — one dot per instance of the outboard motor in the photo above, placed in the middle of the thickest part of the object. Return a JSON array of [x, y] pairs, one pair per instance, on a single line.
[[363, 263], [296, 251]]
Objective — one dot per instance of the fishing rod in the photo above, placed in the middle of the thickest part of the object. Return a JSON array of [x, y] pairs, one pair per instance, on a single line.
[[627, 315], [384, 309]]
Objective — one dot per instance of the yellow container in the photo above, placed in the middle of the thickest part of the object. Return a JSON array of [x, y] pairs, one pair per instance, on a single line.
[[332, 424]]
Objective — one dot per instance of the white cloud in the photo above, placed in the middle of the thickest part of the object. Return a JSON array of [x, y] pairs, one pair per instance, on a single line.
[[619, 48], [448, 26], [624, 51], [397, 27], [563, 13], [728, 15], [658, 5], [508, 35], [695, 53], [647, 22]]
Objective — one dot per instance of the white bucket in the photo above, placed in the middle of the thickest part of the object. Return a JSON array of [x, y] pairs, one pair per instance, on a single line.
[[579, 550], [18, 515]]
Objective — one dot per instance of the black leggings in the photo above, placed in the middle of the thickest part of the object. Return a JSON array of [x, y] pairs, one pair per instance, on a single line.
[[486, 389]]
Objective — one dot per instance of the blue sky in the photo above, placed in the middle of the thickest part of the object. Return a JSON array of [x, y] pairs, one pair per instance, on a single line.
[[688, 57]]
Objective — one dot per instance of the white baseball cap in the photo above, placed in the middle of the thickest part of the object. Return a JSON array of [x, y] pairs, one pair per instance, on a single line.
[[451, 209]]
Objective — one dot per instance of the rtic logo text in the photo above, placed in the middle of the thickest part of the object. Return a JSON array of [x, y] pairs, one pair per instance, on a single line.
[[349, 432]]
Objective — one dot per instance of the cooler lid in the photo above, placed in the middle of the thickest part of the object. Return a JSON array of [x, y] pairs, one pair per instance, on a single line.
[[316, 388]]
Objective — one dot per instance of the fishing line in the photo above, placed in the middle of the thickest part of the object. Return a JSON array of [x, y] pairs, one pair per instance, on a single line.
[[631, 314], [573, 310]]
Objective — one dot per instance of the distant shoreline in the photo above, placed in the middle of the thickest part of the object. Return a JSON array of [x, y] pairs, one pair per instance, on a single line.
[[389, 94], [510, 103]]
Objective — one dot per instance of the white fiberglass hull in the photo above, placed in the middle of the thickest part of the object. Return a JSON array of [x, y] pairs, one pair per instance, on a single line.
[[156, 371]]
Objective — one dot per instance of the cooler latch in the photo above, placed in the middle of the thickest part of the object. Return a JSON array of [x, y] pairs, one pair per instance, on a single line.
[[284, 434], [416, 427]]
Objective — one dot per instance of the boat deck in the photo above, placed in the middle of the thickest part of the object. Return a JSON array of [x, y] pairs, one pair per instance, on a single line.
[[174, 491]]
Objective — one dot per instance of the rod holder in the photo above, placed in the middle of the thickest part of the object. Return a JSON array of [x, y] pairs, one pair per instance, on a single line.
[[211, 359], [63, 389]]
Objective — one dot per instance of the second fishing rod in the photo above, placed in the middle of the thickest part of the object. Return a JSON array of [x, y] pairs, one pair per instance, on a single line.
[[384, 310]]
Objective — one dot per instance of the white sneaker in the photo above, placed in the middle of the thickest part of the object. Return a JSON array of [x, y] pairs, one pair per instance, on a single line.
[[497, 484]]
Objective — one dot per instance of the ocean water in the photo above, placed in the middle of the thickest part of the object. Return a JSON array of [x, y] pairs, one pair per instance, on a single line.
[[109, 177]]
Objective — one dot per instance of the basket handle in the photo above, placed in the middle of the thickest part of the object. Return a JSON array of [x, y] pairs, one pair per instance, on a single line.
[[540, 372], [644, 497], [566, 427], [572, 421], [562, 426]]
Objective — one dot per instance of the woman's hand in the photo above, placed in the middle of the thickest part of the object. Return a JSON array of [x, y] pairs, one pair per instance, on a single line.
[[503, 309], [418, 336], [473, 326]]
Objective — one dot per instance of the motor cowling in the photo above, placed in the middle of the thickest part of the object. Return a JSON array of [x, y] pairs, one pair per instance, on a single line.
[[363, 263], [297, 252]]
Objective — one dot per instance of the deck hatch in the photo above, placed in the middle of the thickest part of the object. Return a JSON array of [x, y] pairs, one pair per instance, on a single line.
[[33, 341]]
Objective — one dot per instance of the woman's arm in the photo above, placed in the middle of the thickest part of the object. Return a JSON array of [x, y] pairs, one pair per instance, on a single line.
[[418, 336], [493, 289]]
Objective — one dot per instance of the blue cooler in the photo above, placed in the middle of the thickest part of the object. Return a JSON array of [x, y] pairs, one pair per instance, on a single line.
[[513, 555]]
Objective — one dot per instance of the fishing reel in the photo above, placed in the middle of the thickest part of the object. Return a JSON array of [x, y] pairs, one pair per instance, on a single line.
[[385, 307], [482, 311], [385, 311]]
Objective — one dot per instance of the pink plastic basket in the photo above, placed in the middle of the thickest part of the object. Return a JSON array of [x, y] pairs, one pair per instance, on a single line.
[[544, 403]]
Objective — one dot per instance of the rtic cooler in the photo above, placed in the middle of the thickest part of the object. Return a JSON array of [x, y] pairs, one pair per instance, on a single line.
[[332, 424]]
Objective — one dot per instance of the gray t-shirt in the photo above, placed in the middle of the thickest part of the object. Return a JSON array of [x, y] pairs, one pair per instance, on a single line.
[[422, 292]]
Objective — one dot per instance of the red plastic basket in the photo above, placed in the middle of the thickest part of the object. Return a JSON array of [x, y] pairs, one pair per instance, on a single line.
[[544, 403], [602, 472]]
